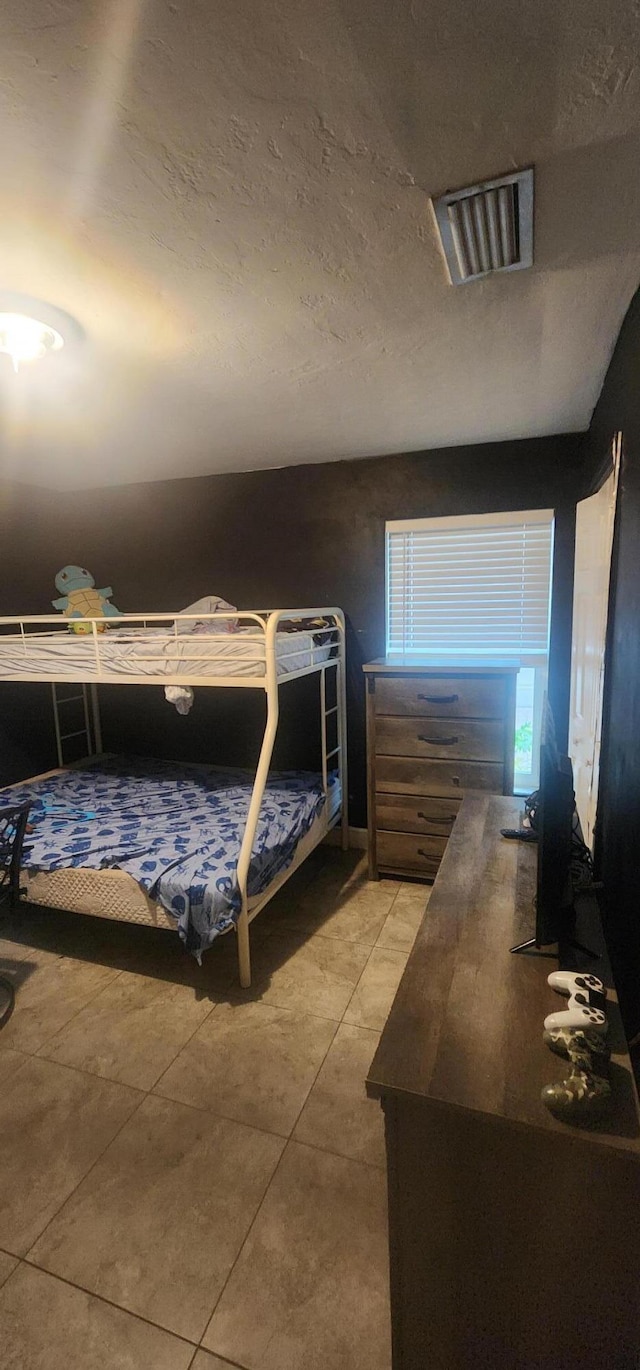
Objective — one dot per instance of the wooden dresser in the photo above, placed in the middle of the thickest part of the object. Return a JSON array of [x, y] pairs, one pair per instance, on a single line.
[[433, 733], [498, 1212]]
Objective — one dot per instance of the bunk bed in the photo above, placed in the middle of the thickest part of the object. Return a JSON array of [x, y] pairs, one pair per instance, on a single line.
[[252, 831]]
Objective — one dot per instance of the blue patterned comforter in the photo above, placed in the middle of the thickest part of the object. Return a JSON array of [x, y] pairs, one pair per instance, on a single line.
[[175, 829]]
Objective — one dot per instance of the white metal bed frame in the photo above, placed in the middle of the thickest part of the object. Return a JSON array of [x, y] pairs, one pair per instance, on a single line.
[[328, 655]]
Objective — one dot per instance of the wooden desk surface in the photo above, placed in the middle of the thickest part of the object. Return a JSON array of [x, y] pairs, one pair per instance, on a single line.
[[465, 1028]]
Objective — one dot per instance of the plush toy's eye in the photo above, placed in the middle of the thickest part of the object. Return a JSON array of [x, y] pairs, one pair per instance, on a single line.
[[85, 573], [64, 575]]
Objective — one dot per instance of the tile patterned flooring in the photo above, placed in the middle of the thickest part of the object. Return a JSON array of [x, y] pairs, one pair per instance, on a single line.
[[192, 1177]]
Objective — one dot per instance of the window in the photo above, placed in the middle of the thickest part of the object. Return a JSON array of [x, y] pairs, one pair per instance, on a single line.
[[477, 588]]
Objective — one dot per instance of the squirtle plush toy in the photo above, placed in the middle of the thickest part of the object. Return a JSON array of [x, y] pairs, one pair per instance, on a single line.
[[80, 599]]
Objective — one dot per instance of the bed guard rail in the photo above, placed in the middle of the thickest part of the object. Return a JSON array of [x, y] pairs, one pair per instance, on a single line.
[[229, 648]]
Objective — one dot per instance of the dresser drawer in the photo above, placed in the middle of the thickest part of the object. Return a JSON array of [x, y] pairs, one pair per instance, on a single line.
[[480, 740], [440, 697], [407, 775], [404, 851], [412, 813]]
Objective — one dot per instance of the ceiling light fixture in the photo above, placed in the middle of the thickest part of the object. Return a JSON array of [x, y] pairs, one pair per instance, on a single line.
[[30, 329], [27, 340]]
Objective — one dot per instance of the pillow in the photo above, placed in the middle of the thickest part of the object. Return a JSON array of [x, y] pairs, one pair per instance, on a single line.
[[209, 604]]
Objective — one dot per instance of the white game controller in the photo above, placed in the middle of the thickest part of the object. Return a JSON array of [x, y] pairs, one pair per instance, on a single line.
[[570, 981], [583, 992], [580, 1016]]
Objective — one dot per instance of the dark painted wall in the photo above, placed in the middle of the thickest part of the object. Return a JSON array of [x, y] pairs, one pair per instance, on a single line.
[[307, 535], [27, 743], [618, 825]]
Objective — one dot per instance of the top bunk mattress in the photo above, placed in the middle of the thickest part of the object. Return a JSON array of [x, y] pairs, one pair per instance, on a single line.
[[147, 654], [175, 829]]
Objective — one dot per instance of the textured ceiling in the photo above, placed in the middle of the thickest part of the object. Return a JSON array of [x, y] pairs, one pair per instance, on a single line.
[[231, 196]]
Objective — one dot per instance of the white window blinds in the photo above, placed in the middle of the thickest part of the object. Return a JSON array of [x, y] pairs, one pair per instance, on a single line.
[[476, 586]]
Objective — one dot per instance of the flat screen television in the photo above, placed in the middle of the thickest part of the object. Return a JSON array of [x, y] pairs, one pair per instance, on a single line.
[[553, 819], [554, 890]]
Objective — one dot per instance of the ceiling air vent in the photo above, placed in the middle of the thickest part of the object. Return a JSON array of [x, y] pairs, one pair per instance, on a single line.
[[488, 227]]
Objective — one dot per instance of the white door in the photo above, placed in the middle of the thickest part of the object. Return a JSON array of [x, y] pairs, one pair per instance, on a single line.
[[594, 540]]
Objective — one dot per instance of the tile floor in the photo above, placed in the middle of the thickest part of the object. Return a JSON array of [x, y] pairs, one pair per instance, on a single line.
[[192, 1178]]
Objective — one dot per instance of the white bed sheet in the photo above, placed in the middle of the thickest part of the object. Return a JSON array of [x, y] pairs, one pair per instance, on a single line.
[[154, 653]]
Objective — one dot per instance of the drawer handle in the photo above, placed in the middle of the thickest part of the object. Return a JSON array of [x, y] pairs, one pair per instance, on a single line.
[[439, 699], [451, 818], [438, 741], [429, 854]]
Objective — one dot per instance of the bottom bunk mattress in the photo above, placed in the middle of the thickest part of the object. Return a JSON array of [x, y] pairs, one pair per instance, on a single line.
[[176, 830]]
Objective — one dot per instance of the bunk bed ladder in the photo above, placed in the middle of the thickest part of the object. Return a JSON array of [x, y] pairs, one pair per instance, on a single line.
[[65, 722], [326, 712]]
